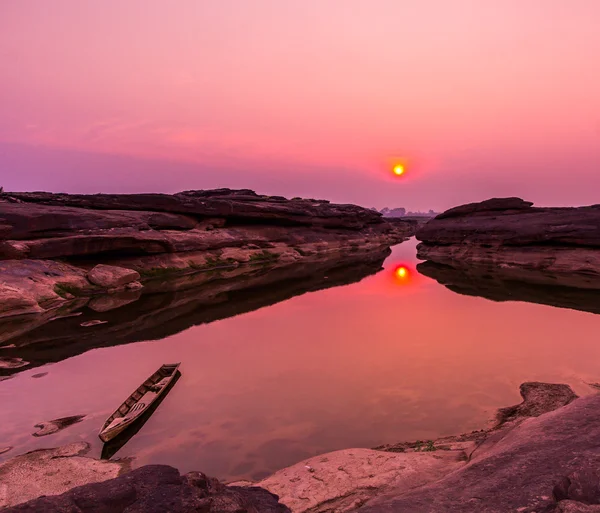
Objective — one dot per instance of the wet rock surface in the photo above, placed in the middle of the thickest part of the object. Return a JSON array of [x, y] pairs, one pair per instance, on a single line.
[[54, 426], [157, 489], [557, 247]]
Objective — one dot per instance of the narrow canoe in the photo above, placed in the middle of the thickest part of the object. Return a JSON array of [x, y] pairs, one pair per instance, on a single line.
[[138, 402]]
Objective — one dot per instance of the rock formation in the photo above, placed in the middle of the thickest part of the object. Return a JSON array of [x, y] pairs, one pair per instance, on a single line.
[[558, 247], [56, 247]]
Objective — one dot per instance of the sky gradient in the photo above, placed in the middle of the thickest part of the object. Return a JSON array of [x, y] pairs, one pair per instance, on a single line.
[[299, 98]]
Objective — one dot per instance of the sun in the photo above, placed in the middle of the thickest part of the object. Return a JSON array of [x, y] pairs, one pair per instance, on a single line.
[[399, 169], [401, 272]]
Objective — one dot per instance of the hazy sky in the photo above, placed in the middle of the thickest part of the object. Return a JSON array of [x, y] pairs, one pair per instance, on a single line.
[[301, 97]]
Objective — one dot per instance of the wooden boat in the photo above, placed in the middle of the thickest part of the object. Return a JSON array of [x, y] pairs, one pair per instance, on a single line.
[[139, 402]]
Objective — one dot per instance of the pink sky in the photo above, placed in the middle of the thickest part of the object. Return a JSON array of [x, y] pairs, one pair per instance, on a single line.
[[304, 98]]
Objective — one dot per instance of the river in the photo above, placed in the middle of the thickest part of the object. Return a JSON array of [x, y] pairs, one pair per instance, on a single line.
[[393, 357]]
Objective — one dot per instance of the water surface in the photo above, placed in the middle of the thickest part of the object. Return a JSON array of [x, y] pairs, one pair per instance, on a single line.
[[386, 359]]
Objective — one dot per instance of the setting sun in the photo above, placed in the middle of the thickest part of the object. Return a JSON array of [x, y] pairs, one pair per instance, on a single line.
[[401, 272], [398, 169]]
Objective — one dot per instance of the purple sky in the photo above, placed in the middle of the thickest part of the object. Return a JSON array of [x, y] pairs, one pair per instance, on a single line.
[[300, 98]]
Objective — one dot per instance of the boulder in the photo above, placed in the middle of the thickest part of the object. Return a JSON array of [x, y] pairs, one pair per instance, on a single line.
[[111, 276], [157, 489]]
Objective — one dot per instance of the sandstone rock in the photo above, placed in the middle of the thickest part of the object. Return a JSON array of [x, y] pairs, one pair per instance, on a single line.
[[54, 426], [516, 469], [13, 301], [346, 480], [52, 472], [538, 398], [157, 489], [220, 203], [110, 276], [552, 246], [503, 221]]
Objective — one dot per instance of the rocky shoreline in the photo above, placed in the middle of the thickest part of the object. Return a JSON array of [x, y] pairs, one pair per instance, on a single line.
[[556, 247], [540, 456], [58, 247]]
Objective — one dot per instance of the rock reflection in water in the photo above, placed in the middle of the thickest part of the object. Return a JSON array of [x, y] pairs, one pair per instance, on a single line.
[[500, 285], [169, 306]]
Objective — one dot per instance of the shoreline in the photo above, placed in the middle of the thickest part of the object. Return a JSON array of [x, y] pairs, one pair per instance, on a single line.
[[363, 478]]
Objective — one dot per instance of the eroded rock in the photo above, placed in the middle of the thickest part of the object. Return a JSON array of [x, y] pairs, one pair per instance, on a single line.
[[111, 276], [545, 246]]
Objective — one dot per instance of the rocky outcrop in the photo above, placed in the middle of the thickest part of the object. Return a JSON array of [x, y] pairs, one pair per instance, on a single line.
[[543, 246], [400, 478], [543, 464], [54, 247], [170, 304], [157, 489]]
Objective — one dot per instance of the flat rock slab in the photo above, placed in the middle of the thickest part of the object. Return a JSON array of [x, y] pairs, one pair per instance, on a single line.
[[345, 480], [52, 472]]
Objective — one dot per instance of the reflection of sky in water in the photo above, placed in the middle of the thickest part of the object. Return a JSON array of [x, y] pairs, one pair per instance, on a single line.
[[388, 359]]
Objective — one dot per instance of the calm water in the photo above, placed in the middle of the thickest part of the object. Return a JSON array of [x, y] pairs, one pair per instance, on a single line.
[[383, 360]]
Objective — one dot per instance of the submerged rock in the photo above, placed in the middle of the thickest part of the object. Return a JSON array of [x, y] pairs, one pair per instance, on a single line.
[[53, 426]]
